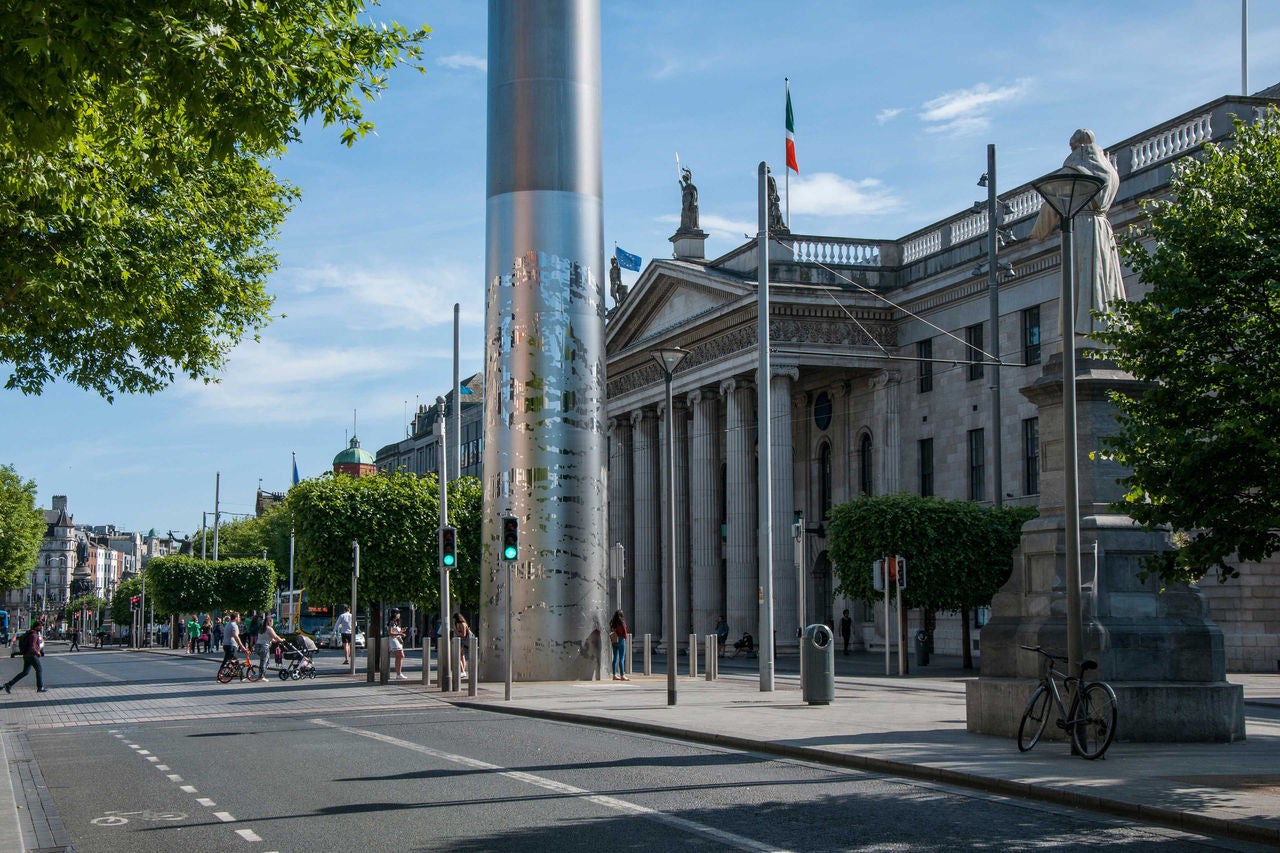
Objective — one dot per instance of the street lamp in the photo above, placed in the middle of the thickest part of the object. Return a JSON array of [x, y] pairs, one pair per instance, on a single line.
[[668, 358], [1068, 193]]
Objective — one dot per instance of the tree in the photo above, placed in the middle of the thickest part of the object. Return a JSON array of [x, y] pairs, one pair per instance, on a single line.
[[465, 508], [249, 537], [21, 528], [958, 553], [394, 518], [244, 585], [1203, 440], [137, 208], [181, 584], [121, 610]]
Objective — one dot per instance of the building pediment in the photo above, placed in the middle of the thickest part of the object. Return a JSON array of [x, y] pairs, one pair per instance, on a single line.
[[666, 299]]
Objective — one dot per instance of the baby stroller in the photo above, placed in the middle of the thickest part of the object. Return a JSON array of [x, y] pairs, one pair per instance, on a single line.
[[293, 662]]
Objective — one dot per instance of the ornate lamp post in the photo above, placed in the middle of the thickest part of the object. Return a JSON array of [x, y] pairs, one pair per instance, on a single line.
[[668, 358], [1068, 193]]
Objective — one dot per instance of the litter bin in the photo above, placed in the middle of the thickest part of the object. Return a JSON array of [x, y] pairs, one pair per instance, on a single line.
[[818, 648], [922, 648]]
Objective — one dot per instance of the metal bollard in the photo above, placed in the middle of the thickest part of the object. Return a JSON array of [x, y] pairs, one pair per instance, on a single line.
[[648, 654], [426, 661], [693, 655], [455, 661], [711, 657], [473, 649]]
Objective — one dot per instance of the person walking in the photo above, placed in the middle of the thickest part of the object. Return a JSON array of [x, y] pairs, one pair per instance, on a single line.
[[193, 634], [262, 642], [206, 635], [215, 634], [722, 634], [396, 635], [462, 631], [31, 647], [231, 645], [618, 640], [846, 630], [75, 640], [343, 629]]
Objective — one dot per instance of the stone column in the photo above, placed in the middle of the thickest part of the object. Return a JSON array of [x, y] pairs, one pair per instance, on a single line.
[[680, 423], [785, 597], [888, 386], [621, 508], [741, 569], [647, 561], [706, 586]]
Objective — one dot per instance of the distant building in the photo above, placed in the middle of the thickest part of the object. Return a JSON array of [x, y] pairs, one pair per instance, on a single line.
[[355, 461], [419, 452]]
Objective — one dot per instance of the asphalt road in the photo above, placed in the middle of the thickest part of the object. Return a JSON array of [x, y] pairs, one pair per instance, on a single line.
[[292, 775]]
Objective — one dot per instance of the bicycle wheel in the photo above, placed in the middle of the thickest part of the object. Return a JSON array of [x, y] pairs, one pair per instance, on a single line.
[[1034, 719], [225, 674], [1095, 714], [252, 673]]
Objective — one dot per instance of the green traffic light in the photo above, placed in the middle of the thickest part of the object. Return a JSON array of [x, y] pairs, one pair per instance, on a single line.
[[449, 560], [510, 552]]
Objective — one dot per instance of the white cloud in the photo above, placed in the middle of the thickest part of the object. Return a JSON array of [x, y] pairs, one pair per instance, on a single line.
[[722, 227], [829, 194], [965, 111], [887, 115], [371, 298], [459, 61]]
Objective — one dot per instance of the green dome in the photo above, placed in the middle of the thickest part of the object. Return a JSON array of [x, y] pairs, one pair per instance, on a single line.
[[354, 455]]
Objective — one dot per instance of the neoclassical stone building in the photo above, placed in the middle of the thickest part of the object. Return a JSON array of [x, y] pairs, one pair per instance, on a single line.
[[878, 385]]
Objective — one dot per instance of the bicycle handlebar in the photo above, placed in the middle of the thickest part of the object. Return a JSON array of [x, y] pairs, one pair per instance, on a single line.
[[1039, 650]]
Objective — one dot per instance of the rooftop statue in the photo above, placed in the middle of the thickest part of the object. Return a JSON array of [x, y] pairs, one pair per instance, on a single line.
[[617, 289], [1097, 263], [776, 223], [688, 202]]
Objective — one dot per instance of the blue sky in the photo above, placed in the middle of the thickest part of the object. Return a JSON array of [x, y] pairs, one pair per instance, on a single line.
[[895, 104]]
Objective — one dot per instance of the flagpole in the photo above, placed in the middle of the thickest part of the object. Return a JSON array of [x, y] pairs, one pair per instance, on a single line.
[[293, 601], [786, 172]]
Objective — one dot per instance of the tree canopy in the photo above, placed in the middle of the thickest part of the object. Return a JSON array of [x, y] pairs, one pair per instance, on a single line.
[[120, 608], [958, 553], [1203, 441], [180, 584], [137, 208], [21, 528]]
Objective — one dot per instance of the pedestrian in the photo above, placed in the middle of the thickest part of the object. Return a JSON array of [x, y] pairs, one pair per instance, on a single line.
[[722, 634], [846, 629], [193, 634], [396, 633], [164, 635], [31, 647], [205, 635], [231, 645], [343, 629], [462, 631], [254, 626], [75, 640], [618, 640], [262, 642], [216, 634]]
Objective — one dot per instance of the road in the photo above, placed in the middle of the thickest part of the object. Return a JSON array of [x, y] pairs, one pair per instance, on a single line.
[[143, 752]]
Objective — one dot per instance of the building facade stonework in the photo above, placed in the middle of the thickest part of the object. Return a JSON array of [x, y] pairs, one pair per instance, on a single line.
[[881, 382]]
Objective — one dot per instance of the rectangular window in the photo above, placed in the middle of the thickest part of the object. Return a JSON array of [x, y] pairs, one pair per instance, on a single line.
[[924, 352], [925, 448], [977, 465], [973, 342], [1031, 456], [1031, 335]]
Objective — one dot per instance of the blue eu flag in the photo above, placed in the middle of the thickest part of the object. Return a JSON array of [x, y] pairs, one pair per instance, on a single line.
[[626, 260]]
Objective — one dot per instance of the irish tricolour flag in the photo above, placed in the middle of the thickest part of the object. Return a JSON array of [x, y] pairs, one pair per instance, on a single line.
[[791, 136]]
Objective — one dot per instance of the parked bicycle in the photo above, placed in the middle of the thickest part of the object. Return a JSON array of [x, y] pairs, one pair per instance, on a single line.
[[245, 670], [1091, 719]]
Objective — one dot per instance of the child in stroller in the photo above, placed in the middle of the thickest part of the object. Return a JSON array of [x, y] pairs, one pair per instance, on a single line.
[[294, 661]]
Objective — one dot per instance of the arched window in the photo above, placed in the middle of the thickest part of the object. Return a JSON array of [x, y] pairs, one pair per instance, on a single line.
[[824, 481], [864, 465]]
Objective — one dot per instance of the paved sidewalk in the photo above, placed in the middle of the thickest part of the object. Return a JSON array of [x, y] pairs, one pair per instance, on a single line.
[[915, 727]]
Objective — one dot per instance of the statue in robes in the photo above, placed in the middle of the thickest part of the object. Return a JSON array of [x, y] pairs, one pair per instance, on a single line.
[[688, 202], [1097, 263], [617, 289]]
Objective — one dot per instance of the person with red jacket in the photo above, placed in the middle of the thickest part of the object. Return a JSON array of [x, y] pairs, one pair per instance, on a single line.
[[618, 639], [31, 645]]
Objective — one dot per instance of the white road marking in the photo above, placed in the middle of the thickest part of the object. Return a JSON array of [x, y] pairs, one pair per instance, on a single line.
[[174, 777], [737, 841], [225, 817], [93, 670], [144, 752], [248, 835], [188, 789], [206, 802], [152, 759], [134, 746], [162, 767]]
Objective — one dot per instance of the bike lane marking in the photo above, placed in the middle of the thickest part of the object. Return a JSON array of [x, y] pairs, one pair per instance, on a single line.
[[737, 841]]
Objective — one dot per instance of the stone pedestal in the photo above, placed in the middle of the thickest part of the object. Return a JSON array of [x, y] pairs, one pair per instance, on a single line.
[[690, 245], [1159, 650]]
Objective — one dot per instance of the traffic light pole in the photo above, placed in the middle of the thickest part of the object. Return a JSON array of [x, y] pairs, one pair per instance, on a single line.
[[443, 665]]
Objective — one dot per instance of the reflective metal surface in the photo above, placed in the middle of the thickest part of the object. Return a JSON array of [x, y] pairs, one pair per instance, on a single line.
[[545, 431]]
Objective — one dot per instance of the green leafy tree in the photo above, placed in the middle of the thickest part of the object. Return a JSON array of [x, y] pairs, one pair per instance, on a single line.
[[249, 537], [90, 603], [120, 608], [465, 507], [1203, 441], [21, 528], [958, 553], [137, 203], [181, 584], [393, 516], [244, 584]]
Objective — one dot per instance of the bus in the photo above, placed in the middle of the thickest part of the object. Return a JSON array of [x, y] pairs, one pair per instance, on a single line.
[[310, 617]]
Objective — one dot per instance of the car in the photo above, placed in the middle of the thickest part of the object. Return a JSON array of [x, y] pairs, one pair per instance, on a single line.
[[330, 639]]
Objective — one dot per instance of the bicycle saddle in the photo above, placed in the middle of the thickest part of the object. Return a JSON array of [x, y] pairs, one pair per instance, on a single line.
[[1088, 665]]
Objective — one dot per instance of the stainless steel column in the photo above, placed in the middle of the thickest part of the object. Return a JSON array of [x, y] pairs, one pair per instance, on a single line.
[[544, 459]]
